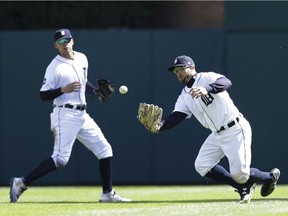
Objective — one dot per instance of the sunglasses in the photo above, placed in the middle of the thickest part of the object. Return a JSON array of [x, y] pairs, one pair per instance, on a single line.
[[64, 40], [179, 69]]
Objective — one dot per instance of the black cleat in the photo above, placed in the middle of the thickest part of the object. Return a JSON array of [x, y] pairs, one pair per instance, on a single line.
[[268, 187], [246, 193]]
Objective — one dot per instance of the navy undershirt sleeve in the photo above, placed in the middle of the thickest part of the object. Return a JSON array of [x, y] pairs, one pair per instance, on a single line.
[[50, 94], [54, 93], [220, 85], [174, 119], [90, 88]]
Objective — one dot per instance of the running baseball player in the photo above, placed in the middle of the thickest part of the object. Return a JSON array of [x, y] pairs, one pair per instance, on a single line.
[[65, 83], [205, 96]]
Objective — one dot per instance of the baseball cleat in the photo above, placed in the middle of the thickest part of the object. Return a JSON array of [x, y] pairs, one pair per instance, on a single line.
[[268, 187], [17, 187], [113, 197], [246, 193]]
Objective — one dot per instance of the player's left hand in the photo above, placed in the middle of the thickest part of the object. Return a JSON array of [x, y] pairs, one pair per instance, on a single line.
[[150, 116], [198, 92]]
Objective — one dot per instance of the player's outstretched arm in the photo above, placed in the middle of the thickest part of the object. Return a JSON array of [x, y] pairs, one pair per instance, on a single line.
[[90, 88], [172, 120]]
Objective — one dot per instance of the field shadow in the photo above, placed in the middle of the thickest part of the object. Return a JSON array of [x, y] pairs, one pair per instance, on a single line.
[[208, 200]]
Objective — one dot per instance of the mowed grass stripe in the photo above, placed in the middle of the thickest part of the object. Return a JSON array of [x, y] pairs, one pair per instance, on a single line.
[[147, 201]]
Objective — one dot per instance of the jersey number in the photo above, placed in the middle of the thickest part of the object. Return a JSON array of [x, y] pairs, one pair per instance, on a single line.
[[207, 99]]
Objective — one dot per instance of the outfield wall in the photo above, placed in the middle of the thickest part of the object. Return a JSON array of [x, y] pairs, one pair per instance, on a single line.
[[252, 51], [256, 60], [138, 59]]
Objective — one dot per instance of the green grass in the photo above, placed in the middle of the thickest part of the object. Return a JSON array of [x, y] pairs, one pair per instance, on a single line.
[[147, 201]]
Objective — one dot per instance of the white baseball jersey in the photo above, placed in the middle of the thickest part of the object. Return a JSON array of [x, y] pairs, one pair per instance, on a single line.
[[212, 110], [67, 124], [61, 72]]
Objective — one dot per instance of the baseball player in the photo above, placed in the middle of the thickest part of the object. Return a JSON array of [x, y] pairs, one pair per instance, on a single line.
[[205, 96], [65, 83]]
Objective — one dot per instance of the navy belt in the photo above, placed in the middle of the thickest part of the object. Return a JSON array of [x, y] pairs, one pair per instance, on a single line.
[[71, 106], [229, 125]]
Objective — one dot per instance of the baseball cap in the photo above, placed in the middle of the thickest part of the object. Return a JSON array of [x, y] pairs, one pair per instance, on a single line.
[[62, 33], [182, 60]]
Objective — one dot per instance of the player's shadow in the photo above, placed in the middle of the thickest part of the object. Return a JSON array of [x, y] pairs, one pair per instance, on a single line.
[[207, 200]]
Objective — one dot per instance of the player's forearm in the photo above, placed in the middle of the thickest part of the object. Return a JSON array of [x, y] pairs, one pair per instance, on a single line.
[[174, 119], [90, 88], [220, 85], [50, 94]]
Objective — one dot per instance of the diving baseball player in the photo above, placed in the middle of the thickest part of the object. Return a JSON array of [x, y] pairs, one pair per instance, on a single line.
[[65, 83], [205, 97]]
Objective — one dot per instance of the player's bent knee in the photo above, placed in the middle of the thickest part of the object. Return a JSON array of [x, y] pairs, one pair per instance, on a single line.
[[201, 169], [105, 153], [59, 163], [240, 178]]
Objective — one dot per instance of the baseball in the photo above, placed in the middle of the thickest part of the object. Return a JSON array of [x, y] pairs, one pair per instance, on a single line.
[[123, 89]]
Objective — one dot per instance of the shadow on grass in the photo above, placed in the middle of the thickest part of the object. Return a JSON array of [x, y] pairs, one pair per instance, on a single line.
[[208, 200], [155, 201]]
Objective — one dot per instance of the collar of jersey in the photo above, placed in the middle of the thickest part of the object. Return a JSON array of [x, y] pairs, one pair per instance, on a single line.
[[62, 59], [191, 82]]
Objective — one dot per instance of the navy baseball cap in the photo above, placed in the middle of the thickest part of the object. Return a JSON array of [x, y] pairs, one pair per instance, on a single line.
[[62, 33], [182, 60]]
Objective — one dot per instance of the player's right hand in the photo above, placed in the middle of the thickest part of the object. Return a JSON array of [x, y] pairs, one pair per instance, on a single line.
[[198, 92], [71, 87]]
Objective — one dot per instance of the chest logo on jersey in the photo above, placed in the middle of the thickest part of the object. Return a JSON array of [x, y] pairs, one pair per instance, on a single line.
[[207, 99], [84, 70]]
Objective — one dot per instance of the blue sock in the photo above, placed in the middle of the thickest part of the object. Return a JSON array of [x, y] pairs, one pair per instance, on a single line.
[[257, 176], [220, 174], [44, 168], [105, 167]]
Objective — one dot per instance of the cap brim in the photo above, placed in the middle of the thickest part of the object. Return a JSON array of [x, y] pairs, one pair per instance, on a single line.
[[178, 65], [171, 68]]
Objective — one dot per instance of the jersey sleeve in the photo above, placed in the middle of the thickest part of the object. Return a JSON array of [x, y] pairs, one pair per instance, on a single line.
[[49, 81], [180, 106], [220, 85]]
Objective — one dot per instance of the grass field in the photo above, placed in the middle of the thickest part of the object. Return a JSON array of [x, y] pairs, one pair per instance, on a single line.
[[147, 201]]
